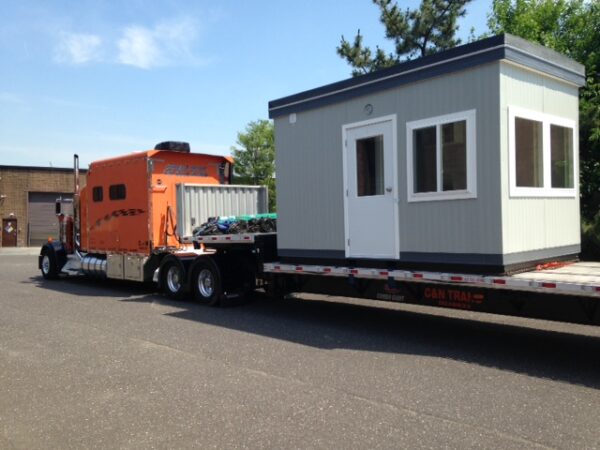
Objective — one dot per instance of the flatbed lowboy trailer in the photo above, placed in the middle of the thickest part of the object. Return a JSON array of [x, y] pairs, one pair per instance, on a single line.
[[568, 292]]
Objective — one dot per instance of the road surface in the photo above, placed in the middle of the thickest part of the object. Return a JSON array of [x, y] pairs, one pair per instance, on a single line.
[[115, 365]]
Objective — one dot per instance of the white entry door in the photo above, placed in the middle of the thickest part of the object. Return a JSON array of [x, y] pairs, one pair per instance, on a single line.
[[371, 206]]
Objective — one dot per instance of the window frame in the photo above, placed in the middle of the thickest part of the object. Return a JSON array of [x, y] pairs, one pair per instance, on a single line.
[[546, 190], [97, 198], [117, 190], [470, 117]]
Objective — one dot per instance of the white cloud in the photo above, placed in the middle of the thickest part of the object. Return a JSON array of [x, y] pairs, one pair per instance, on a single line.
[[138, 47], [78, 48], [168, 43]]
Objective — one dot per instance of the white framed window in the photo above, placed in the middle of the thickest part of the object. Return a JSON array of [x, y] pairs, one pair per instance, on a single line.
[[441, 157], [542, 153]]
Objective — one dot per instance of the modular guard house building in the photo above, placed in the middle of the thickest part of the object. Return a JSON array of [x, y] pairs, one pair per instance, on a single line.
[[468, 157]]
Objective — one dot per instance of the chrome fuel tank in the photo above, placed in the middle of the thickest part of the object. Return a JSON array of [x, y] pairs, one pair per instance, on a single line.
[[94, 266]]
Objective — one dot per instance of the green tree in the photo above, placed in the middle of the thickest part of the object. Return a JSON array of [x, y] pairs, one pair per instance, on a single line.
[[571, 27], [255, 157], [419, 32]]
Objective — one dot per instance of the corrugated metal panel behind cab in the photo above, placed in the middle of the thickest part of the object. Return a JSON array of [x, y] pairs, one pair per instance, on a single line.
[[196, 203]]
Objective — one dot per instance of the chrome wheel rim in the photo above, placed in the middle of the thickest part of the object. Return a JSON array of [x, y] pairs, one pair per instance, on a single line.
[[174, 279], [46, 264], [206, 283]]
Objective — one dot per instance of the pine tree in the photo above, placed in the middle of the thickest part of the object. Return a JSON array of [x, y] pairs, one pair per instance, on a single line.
[[419, 32]]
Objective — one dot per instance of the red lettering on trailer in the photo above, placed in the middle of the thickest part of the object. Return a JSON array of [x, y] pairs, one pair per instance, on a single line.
[[456, 278], [499, 281], [549, 285], [453, 298], [417, 275], [434, 293], [384, 273], [299, 268], [327, 270]]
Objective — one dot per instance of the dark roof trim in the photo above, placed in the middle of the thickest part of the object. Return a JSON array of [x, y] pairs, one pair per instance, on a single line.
[[41, 169], [499, 47]]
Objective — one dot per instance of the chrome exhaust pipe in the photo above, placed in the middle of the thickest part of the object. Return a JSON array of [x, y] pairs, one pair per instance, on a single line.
[[76, 224]]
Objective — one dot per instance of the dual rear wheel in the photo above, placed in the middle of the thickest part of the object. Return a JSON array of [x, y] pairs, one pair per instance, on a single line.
[[201, 277]]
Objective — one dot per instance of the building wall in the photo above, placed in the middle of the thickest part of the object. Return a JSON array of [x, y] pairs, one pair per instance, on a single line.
[[532, 224], [17, 182], [309, 156]]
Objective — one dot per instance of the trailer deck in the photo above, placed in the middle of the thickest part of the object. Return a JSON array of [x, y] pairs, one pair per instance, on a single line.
[[580, 278], [245, 238], [576, 278]]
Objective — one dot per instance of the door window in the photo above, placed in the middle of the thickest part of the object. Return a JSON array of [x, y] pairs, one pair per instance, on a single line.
[[369, 166]]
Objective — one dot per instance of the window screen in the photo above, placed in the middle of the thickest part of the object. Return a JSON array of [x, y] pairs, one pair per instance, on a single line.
[[117, 192], [425, 160], [561, 139], [528, 153], [369, 166], [454, 156], [97, 193]]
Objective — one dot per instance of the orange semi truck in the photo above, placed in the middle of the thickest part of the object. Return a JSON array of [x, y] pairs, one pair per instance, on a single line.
[[134, 221], [125, 220]]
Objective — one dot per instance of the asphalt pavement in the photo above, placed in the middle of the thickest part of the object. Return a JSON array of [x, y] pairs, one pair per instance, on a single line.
[[115, 365]]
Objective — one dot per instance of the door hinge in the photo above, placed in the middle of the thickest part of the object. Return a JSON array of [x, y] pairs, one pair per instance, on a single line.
[[345, 142], [348, 242], [346, 192]]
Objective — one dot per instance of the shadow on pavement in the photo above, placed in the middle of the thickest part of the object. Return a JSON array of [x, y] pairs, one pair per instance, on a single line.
[[557, 355]]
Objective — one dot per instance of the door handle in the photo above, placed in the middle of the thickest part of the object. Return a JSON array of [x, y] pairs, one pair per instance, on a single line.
[[388, 189]]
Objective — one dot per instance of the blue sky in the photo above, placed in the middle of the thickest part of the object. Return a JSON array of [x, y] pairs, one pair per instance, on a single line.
[[103, 78]]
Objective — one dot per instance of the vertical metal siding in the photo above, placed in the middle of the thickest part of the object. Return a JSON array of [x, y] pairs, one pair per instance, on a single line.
[[310, 179], [196, 203], [536, 223]]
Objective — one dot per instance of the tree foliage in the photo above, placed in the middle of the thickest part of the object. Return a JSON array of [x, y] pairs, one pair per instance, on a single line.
[[419, 32], [571, 27], [255, 157]]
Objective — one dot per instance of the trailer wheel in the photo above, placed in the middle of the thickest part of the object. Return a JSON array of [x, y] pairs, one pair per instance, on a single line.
[[206, 282], [172, 274], [49, 265]]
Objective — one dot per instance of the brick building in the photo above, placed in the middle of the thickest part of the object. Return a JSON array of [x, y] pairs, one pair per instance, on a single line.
[[27, 199]]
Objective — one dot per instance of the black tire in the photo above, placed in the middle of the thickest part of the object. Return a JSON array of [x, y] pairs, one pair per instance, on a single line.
[[206, 282], [49, 265], [172, 278]]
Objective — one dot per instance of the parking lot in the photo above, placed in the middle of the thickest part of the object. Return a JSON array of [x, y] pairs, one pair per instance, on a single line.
[[115, 365]]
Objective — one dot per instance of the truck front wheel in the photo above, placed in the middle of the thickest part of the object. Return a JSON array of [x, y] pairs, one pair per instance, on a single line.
[[49, 265], [206, 282]]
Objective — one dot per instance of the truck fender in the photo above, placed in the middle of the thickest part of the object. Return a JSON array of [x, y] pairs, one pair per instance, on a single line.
[[55, 248]]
